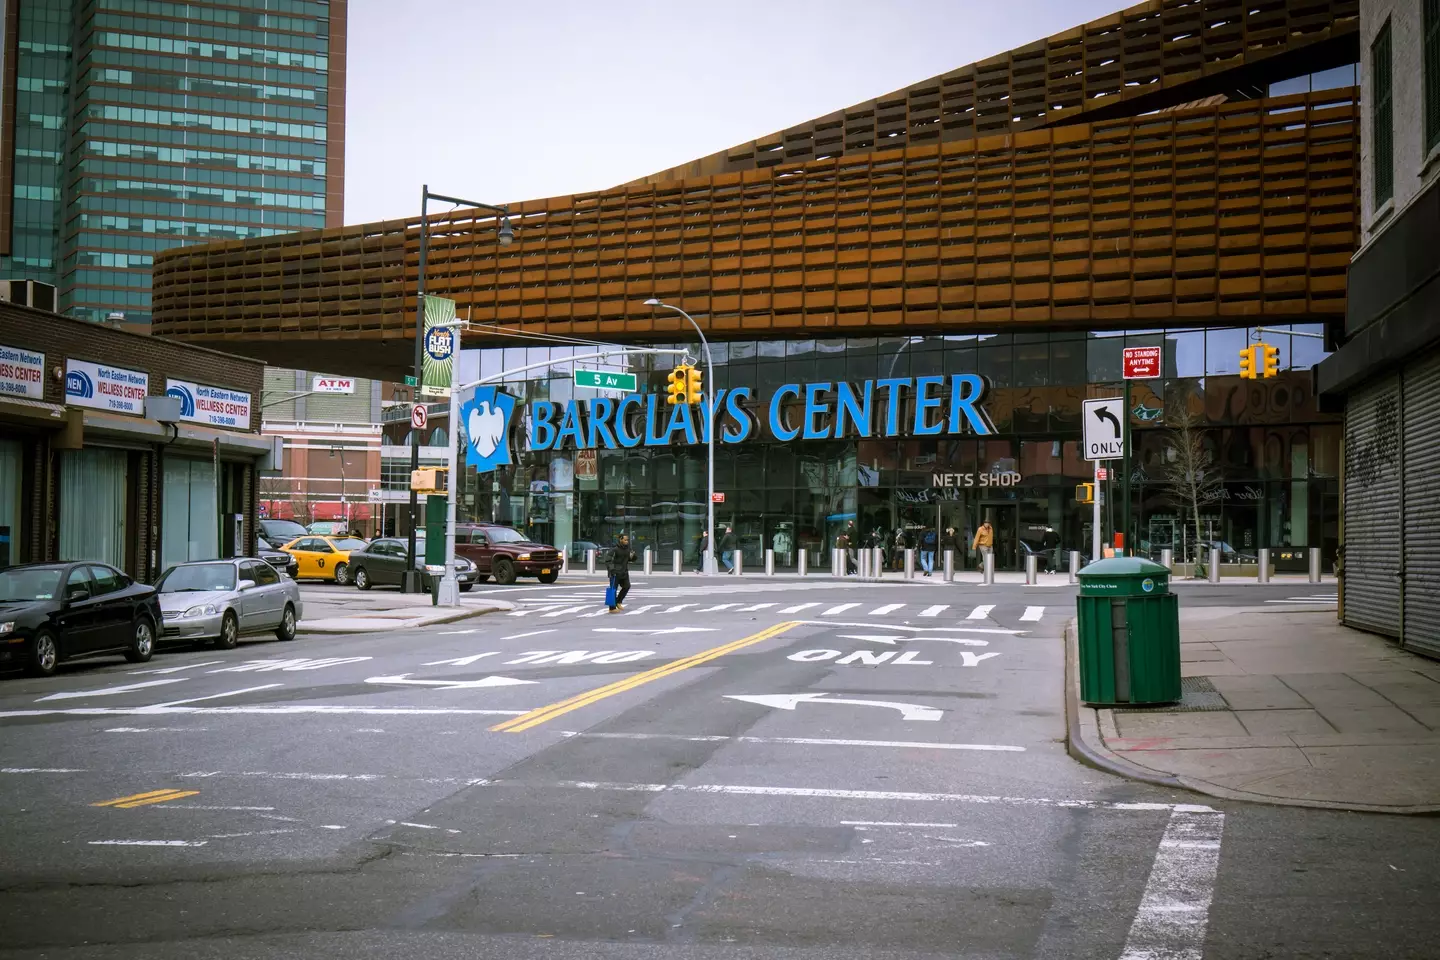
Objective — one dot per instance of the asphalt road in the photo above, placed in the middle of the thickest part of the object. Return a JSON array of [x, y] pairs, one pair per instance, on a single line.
[[727, 769]]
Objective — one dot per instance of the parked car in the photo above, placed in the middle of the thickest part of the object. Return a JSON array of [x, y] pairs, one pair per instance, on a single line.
[[1228, 554], [277, 533], [324, 558], [219, 601], [329, 528], [52, 612], [504, 553], [576, 551], [382, 563], [280, 560]]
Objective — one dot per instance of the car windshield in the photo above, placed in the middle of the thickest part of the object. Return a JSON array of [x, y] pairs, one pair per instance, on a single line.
[[281, 529], [350, 543], [22, 585], [198, 577], [503, 535]]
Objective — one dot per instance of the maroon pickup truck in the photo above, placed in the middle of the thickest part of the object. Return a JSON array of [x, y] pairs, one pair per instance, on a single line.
[[503, 553]]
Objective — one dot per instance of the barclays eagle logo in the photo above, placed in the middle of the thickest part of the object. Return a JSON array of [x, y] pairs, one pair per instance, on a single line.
[[186, 398], [486, 418], [79, 384]]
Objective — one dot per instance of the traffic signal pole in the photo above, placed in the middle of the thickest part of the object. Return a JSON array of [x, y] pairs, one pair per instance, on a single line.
[[1125, 470], [1095, 517]]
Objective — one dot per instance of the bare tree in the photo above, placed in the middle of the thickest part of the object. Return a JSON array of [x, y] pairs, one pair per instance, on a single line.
[[1189, 475]]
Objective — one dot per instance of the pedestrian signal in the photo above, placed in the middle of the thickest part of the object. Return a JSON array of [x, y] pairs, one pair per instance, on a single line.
[[1085, 492]]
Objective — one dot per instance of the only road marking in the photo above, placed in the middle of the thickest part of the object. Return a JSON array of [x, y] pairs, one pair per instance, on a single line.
[[109, 691]]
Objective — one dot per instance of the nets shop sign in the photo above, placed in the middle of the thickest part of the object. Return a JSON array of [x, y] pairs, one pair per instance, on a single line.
[[892, 407]]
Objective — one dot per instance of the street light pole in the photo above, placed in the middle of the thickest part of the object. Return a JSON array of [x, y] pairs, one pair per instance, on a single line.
[[710, 439], [410, 580]]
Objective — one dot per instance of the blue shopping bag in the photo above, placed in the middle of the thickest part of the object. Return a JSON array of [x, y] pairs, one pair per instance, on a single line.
[[610, 594]]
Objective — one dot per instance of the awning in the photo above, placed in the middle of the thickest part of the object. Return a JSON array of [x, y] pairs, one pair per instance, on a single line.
[[32, 412]]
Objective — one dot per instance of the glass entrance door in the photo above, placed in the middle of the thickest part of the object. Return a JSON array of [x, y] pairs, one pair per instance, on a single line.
[[1005, 519]]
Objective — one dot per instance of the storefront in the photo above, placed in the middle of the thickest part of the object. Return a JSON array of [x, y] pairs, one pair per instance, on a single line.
[[915, 433]]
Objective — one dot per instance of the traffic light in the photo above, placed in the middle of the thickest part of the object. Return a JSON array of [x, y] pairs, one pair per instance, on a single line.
[[692, 384], [1271, 360], [1247, 362], [675, 385], [1085, 492]]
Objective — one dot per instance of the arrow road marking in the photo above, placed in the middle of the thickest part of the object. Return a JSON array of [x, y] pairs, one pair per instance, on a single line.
[[109, 691], [403, 680], [188, 666], [981, 612], [459, 661], [789, 701], [655, 633], [1033, 613]]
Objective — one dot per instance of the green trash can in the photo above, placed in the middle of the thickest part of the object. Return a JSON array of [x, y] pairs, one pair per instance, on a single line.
[[1129, 625]]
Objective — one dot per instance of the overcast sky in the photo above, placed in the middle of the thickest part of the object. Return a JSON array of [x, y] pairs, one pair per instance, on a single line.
[[504, 101]]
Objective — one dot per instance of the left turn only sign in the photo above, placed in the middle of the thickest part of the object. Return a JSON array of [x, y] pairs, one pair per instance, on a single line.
[[419, 416], [1103, 436]]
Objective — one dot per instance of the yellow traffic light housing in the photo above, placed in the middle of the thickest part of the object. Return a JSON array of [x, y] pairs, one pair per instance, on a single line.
[[1247, 362], [1270, 357], [1085, 492], [692, 384], [675, 385], [430, 479]]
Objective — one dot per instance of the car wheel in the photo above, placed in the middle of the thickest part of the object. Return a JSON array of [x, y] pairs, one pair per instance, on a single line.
[[342, 573], [550, 577], [142, 647], [362, 579], [504, 571], [44, 655], [466, 587], [286, 630], [229, 637]]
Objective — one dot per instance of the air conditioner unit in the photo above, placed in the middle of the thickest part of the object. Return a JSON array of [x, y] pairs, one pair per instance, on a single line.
[[30, 293]]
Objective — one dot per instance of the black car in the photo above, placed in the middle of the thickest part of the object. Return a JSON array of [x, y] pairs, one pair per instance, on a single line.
[[280, 560], [277, 533], [382, 562], [51, 612]]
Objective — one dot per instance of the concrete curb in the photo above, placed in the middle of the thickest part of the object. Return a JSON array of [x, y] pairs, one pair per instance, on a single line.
[[1085, 745], [336, 625]]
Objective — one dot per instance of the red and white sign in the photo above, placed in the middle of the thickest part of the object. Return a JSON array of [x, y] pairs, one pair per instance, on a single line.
[[1142, 363], [717, 497], [332, 385], [419, 416], [1102, 474]]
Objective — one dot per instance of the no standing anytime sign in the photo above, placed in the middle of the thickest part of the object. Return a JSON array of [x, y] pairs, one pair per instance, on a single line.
[[1142, 363]]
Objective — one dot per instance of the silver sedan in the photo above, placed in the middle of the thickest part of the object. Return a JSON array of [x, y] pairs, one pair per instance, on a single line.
[[219, 601]]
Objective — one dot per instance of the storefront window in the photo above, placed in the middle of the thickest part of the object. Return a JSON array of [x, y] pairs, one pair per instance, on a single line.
[[12, 456], [93, 491], [189, 512]]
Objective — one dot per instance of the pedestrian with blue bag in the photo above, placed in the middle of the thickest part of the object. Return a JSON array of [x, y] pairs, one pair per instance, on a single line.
[[618, 566]]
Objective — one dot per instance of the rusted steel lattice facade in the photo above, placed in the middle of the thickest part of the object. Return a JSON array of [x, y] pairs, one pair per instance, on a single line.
[[1137, 174]]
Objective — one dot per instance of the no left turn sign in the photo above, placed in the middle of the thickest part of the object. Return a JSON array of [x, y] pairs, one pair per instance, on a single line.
[[419, 416]]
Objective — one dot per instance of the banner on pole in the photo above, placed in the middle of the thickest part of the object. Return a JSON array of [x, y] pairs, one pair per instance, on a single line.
[[438, 365]]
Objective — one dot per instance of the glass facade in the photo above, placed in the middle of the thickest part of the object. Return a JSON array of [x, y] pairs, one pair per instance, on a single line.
[[186, 123], [1275, 456]]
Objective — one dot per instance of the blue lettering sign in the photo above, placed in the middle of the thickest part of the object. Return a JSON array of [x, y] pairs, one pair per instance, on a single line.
[[814, 411], [859, 410], [570, 427], [601, 409], [924, 403], [892, 386], [542, 425], [966, 389], [779, 429], [740, 430], [627, 439]]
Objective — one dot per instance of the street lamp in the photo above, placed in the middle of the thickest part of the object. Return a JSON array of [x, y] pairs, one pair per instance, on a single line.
[[411, 581], [344, 507], [710, 440]]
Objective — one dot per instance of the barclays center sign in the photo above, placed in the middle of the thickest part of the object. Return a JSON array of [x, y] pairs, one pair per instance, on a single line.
[[890, 407]]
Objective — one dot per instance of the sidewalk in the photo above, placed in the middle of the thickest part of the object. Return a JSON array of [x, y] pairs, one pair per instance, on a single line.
[[357, 612], [1280, 706]]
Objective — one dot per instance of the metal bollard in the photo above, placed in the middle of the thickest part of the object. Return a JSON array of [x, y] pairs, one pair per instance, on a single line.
[[565, 561], [1263, 555], [590, 560], [1214, 564], [949, 566], [803, 559], [1314, 564], [1074, 566], [769, 562], [988, 574], [1032, 570], [1167, 559], [909, 563], [647, 561], [877, 564], [677, 561], [837, 562], [739, 559]]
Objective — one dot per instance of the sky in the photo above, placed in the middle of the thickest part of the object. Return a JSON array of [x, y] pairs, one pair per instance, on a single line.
[[498, 102]]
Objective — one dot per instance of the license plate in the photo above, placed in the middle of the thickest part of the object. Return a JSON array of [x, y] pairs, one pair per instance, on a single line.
[[545, 571]]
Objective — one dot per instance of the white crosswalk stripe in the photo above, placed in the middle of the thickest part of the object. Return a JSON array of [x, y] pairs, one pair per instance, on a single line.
[[678, 607], [648, 606], [981, 612], [529, 611], [935, 611], [756, 606], [1033, 613], [598, 613], [798, 607], [718, 606], [838, 609], [888, 608], [565, 610]]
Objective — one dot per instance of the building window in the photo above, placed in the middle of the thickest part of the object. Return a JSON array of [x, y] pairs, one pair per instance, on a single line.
[[93, 484], [1430, 47], [1382, 132], [190, 520]]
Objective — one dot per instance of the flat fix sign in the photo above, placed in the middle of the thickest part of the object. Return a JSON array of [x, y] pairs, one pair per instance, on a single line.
[[1142, 363]]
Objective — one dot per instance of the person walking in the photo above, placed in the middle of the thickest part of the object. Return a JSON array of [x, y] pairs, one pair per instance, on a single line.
[[1050, 543], [928, 542], [702, 543], [845, 543], [618, 566], [727, 549], [984, 542], [897, 549]]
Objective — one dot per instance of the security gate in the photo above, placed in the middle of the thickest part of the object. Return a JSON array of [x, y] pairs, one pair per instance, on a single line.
[[1372, 517], [1421, 460]]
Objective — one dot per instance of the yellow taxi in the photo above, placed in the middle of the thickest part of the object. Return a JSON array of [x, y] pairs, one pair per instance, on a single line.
[[323, 558]]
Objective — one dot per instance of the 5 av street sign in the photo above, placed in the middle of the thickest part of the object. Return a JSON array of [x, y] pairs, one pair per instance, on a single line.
[[1103, 437], [605, 380]]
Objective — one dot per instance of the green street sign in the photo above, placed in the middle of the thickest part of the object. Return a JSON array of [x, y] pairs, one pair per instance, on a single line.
[[409, 381], [604, 380]]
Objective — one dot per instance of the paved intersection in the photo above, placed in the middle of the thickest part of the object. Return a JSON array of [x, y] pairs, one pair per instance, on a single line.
[[866, 776]]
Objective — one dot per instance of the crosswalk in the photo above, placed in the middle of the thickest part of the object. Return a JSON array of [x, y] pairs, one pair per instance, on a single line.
[[551, 608], [1319, 598]]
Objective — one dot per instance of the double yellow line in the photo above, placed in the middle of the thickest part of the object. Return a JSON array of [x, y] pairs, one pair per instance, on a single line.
[[143, 799], [538, 716]]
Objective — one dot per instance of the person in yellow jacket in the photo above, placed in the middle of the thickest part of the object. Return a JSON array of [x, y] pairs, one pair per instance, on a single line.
[[984, 539]]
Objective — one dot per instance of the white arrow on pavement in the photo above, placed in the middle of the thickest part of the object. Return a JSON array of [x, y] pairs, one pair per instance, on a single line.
[[109, 691], [655, 633], [918, 629], [789, 701], [882, 638], [403, 679]]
